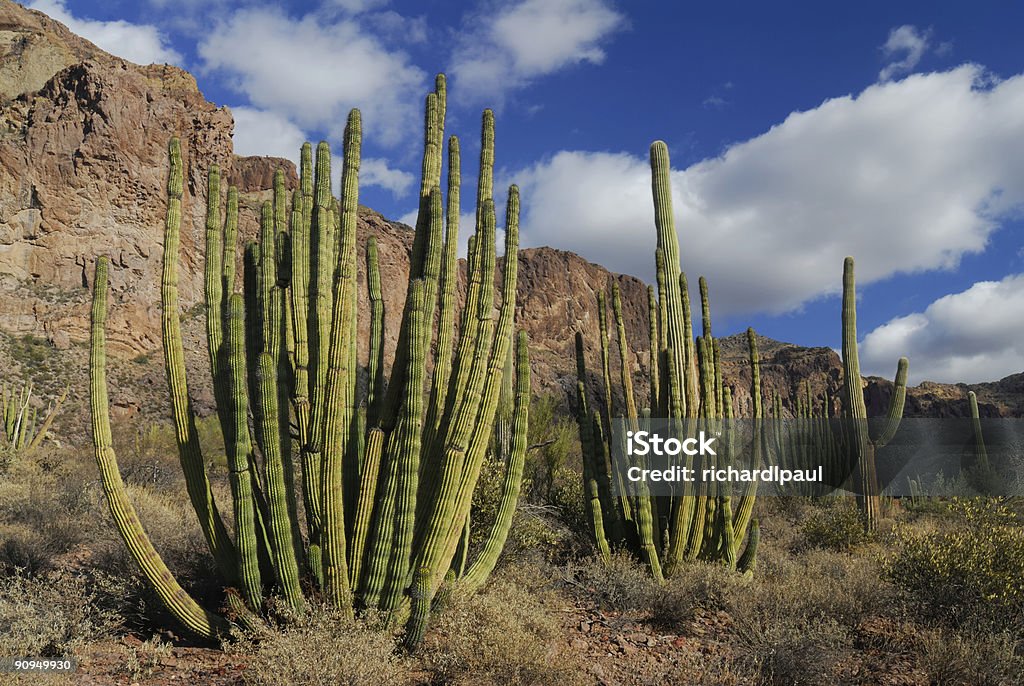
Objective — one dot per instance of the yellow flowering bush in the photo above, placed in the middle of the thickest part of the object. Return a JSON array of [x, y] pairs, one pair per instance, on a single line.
[[972, 572]]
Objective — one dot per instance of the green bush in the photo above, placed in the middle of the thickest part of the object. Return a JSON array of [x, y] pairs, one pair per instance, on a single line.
[[835, 526], [971, 573]]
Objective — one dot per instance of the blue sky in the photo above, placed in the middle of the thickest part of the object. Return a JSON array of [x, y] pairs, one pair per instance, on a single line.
[[799, 133]]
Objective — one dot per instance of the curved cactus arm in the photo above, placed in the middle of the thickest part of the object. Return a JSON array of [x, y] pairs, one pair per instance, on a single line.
[[184, 608], [896, 404], [481, 569], [365, 504], [748, 560], [189, 452]]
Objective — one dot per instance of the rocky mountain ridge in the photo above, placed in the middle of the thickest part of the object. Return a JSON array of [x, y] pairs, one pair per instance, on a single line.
[[83, 140]]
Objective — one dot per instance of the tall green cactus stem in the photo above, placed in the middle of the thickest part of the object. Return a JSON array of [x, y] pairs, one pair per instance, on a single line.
[[668, 242], [239, 465], [338, 410], [196, 481], [478, 573], [861, 446], [180, 604], [980, 453], [447, 297], [375, 367]]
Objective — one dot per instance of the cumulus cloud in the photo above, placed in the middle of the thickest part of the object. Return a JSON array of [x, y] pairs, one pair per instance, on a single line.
[[259, 132], [532, 38], [139, 43], [971, 336], [907, 176], [312, 72], [376, 172], [908, 44]]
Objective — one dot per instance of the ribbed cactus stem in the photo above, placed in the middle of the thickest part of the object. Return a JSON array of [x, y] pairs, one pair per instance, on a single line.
[[495, 542], [187, 437], [239, 465], [854, 407], [181, 605], [375, 368], [980, 453]]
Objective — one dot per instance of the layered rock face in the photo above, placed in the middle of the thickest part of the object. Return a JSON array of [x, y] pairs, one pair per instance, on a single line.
[[83, 139]]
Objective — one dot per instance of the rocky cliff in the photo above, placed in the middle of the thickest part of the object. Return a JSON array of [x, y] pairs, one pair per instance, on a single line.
[[83, 139]]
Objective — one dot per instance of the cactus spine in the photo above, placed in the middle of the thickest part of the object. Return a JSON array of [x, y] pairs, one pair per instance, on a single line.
[[387, 478]]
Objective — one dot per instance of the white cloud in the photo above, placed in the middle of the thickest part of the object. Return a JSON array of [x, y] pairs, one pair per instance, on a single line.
[[139, 43], [258, 132], [313, 72], [357, 6], [909, 44], [376, 172], [971, 336], [527, 40], [907, 176]]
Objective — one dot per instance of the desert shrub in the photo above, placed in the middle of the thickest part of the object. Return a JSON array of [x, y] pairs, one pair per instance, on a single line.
[[791, 651], [43, 514], [621, 583], [143, 660], [817, 585], [695, 586], [319, 648], [835, 526], [504, 635], [972, 573], [978, 659], [50, 616]]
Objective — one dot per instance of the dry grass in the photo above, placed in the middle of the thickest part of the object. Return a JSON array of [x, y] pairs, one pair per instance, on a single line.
[[507, 634], [322, 648]]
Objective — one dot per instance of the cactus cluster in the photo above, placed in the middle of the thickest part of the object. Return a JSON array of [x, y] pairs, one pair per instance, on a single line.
[[700, 521], [386, 466], [21, 429]]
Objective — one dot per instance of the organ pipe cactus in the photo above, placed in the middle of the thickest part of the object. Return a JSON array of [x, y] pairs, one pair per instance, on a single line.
[[387, 475], [20, 429], [686, 387]]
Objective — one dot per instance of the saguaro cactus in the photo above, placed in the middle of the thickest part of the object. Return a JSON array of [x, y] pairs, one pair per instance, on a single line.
[[387, 477], [859, 445]]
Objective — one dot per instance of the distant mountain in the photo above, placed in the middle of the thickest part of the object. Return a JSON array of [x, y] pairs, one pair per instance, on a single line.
[[83, 161]]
